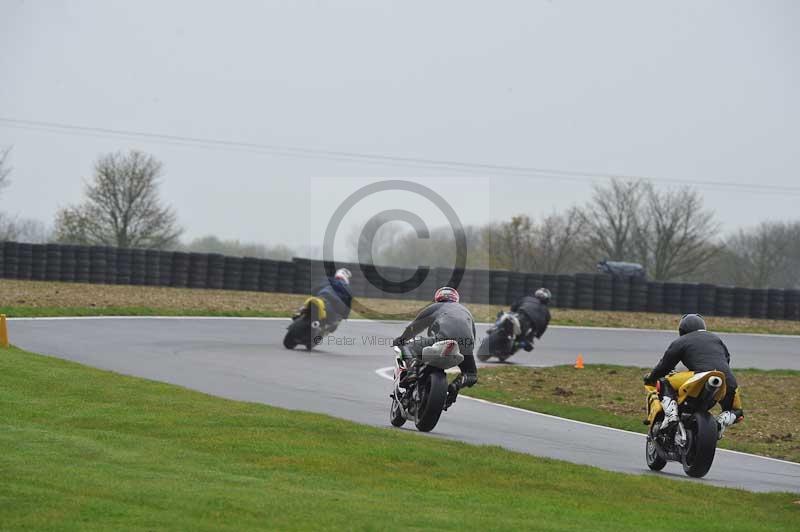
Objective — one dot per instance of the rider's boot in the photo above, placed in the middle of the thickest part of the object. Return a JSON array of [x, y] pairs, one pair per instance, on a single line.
[[670, 407], [725, 420]]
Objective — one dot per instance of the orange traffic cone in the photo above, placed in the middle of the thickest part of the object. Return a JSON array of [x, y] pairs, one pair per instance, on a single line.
[[579, 361]]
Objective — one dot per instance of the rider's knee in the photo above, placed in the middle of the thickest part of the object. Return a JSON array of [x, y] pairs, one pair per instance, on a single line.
[[469, 379]]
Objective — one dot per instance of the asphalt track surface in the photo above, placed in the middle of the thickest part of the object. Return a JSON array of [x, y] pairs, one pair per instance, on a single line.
[[244, 359]]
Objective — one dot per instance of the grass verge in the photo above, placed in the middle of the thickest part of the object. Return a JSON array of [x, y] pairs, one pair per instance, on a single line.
[[38, 298], [614, 396], [92, 450]]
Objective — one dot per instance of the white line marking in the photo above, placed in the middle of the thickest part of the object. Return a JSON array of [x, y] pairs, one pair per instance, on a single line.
[[362, 320], [382, 373]]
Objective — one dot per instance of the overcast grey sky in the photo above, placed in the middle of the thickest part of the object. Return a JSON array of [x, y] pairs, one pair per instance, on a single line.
[[700, 90]]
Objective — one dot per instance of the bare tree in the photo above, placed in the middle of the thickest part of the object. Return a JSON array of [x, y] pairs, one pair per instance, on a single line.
[[560, 246], [611, 218], [763, 256], [122, 206], [675, 234]]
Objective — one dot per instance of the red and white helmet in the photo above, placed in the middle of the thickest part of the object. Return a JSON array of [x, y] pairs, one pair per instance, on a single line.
[[446, 293], [344, 275]]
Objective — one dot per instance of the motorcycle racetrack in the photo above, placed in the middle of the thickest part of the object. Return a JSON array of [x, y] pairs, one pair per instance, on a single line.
[[243, 359]]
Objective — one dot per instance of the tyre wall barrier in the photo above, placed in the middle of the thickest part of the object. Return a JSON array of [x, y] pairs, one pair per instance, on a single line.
[[135, 266]]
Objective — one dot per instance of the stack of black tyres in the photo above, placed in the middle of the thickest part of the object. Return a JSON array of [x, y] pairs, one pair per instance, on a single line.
[[373, 287], [776, 302], [603, 292], [690, 298], [481, 286], [285, 282], [268, 275], [706, 299], [138, 266], [621, 293], [251, 270], [638, 297], [655, 296], [123, 268], [791, 303], [68, 263], [11, 259], [233, 274], [39, 262], [152, 267], [302, 276], [498, 287], [53, 268], [533, 281], [216, 271], [2, 261], [198, 270], [672, 298], [25, 264], [566, 291], [165, 268], [724, 301], [98, 264], [180, 269], [83, 264], [516, 285], [111, 264], [741, 302], [584, 290], [758, 303]]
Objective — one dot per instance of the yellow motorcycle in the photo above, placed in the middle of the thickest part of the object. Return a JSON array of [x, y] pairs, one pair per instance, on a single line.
[[309, 325], [693, 439]]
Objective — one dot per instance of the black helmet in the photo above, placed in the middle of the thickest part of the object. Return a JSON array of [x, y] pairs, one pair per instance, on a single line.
[[691, 323], [543, 295]]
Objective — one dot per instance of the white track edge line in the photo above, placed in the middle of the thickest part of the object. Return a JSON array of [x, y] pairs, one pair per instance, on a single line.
[[360, 320], [381, 372]]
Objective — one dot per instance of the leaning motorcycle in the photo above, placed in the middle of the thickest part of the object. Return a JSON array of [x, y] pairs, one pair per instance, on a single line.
[[420, 384], [692, 441], [501, 339], [309, 325]]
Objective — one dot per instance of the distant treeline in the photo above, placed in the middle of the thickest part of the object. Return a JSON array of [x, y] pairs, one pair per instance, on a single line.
[[668, 231]]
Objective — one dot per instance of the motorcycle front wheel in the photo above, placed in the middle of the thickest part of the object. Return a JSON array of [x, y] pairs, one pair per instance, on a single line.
[[654, 461], [433, 396], [396, 417], [699, 455]]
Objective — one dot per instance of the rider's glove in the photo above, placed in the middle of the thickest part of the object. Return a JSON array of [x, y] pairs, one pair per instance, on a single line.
[[648, 379], [526, 345]]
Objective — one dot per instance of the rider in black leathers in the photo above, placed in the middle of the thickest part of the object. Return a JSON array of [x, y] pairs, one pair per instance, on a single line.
[[698, 350], [534, 316], [445, 319]]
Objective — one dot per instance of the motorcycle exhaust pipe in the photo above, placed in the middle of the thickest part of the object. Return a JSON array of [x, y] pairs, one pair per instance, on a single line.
[[713, 383]]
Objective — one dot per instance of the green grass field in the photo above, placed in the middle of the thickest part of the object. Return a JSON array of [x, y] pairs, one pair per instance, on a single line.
[[614, 396], [92, 450]]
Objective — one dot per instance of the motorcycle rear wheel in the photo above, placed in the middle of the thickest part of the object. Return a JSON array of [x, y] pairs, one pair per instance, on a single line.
[[699, 456], [435, 395]]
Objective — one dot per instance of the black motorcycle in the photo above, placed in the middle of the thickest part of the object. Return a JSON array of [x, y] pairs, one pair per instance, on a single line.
[[309, 325], [502, 340], [420, 384]]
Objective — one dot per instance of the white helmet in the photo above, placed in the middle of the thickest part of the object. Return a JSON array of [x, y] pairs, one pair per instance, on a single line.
[[344, 275]]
